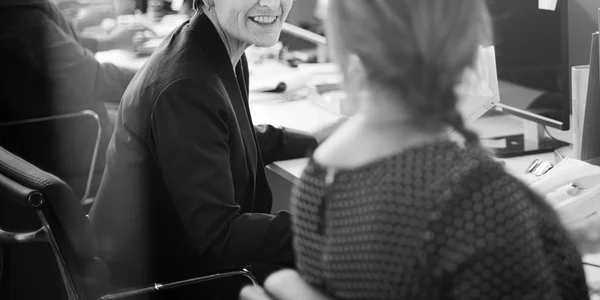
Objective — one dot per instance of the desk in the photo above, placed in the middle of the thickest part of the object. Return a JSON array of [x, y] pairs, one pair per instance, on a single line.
[[304, 115]]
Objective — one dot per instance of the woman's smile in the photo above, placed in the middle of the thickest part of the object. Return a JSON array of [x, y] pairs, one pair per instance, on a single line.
[[264, 20]]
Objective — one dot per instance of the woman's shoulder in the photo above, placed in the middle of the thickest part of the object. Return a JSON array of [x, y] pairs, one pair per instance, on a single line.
[[481, 181], [476, 171]]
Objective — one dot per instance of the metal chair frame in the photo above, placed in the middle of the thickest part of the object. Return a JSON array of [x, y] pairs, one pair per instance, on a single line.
[[36, 201]]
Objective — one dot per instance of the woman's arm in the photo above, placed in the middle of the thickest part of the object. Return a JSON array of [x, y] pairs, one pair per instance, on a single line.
[[494, 241], [76, 75], [283, 143]]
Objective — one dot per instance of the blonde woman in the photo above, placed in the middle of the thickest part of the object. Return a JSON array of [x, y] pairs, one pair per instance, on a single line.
[[389, 207]]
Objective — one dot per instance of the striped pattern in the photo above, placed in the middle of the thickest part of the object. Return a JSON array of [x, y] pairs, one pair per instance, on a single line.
[[435, 221]]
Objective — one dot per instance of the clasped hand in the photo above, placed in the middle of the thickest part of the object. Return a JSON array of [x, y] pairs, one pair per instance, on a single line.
[[129, 36], [283, 285]]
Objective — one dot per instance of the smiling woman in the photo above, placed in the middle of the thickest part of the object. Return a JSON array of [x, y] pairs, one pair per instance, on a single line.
[[184, 191], [242, 23]]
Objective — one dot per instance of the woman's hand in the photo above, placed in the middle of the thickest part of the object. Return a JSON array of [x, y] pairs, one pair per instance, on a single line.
[[128, 36], [283, 285], [92, 16], [254, 293], [125, 37], [288, 285]]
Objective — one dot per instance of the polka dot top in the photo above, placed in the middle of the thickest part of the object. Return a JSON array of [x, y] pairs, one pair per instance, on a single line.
[[436, 221]]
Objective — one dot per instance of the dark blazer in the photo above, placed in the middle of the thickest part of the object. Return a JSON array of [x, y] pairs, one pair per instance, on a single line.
[[184, 189]]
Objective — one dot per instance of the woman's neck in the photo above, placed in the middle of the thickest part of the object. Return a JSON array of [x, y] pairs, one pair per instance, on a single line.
[[375, 107], [380, 127], [363, 138], [235, 48]]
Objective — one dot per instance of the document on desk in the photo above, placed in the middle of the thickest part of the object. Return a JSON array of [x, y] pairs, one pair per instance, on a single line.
[[273, 81], [273, 76], [494, 143]]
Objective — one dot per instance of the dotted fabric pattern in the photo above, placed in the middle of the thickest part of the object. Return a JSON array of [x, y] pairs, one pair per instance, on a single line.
[[436, 221]]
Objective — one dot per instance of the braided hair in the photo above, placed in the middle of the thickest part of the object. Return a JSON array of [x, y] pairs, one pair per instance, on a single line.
[[417, 49]]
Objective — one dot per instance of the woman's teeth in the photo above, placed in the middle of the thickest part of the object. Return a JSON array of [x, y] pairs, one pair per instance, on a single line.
[[263, 20]]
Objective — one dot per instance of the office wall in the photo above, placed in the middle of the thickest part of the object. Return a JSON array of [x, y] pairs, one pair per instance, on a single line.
[[583, 21], [302, 11]]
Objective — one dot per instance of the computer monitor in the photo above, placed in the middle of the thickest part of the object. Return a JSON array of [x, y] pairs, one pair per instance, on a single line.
[[536, 49], [532, 57], [590, 138]]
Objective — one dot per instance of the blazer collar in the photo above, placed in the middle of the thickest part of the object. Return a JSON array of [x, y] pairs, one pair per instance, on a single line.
[[214, 46]]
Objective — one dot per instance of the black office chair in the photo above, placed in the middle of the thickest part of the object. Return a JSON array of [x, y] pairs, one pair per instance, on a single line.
[[67, 229], [1, 265]]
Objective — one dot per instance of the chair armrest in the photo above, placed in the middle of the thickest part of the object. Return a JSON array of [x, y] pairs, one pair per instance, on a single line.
[[158, 287], [8, 237], [84, 113]]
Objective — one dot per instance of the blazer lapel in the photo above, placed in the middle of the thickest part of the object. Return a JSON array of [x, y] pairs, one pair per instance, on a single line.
[[243, 79], [235, 88], [238, 102]]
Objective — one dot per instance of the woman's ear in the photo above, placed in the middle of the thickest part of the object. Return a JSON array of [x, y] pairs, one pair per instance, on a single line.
[[355, 79], [208, 4], [354, 63]]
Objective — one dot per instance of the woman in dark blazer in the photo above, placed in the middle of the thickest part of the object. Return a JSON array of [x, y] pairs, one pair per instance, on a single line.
[[184, 191]]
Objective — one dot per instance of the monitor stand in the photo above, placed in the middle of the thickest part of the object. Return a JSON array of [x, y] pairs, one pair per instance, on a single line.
[[534, 140]]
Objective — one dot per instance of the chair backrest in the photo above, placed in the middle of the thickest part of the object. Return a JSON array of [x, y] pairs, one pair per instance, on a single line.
[[62, 146], [64, 223], [36, 88]]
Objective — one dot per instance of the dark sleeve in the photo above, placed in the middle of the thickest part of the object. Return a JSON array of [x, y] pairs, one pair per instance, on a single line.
[[89, 43], [190, 135], [283, 143], [67, 26], [490, 244], [76, 73]]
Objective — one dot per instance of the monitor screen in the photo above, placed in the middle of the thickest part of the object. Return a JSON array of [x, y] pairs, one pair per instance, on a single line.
[[532, 58], [589, 139]]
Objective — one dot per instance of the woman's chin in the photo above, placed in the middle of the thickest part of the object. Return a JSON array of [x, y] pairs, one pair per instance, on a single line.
[[266, 40]]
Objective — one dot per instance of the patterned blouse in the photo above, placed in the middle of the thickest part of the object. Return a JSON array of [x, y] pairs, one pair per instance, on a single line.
[[436, 221]]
